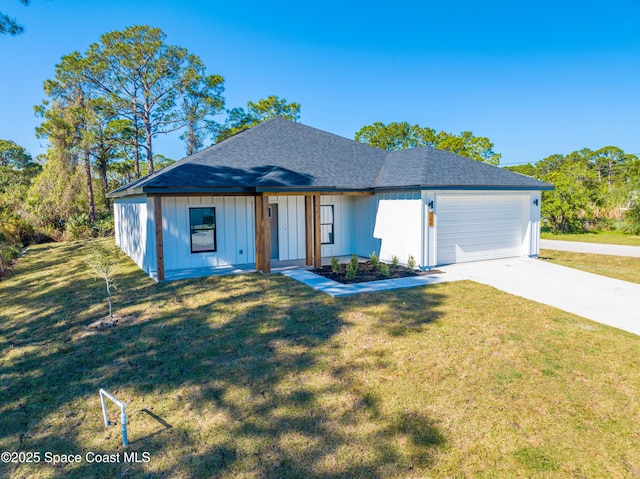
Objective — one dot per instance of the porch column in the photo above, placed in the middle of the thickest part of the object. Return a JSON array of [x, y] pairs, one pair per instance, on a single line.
[[263, 234], [308, 229], [317, 245], [157, 220]]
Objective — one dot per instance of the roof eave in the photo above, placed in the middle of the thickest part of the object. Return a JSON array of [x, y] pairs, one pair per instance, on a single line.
[[468, 187], [127, 192]]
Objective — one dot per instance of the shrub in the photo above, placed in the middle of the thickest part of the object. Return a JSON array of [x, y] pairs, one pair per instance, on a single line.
[[78, 226], [104, 226], [8, 252], [394, 261], [375, 262], [335, 265], [411, 263], [632, 216], [351, 271], [384, 269], [354, 262]]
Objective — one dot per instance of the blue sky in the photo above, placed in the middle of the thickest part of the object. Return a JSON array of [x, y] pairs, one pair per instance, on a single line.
[[537, 78]]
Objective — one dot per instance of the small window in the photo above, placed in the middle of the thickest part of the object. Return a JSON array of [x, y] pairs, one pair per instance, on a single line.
[[326, 224], [203, 229]]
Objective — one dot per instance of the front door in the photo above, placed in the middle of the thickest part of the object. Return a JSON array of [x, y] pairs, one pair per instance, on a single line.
[[273, 220]]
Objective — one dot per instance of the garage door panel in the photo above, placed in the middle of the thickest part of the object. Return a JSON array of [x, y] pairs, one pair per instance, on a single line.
[[476, 227]]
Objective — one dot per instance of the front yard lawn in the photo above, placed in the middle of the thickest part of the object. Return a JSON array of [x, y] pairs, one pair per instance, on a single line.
[[619, 267], [602, 237], [254, 376]]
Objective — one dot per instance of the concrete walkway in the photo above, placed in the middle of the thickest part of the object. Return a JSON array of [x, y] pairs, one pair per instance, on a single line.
[[605, 300], [593, 248]]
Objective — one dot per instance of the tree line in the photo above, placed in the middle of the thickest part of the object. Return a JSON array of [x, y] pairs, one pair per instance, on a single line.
[[594, 190]]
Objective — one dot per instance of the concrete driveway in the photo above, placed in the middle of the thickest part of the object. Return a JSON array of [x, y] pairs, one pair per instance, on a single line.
[[593, 248], [605, 300]]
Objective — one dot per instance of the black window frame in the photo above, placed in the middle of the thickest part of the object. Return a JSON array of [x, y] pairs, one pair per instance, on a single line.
[[192, 229], [332, 234]]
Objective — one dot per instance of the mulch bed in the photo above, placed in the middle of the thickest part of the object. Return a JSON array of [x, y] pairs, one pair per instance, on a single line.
[[367, 273]]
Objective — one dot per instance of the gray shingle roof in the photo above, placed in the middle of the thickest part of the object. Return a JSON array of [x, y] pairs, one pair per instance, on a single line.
[[429, 167], [280, 155]]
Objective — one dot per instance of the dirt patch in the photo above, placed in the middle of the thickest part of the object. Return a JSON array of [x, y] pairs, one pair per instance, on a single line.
[[366, 273], [110, 322]]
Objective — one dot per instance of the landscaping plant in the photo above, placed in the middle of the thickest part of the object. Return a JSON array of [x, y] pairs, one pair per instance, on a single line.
[[335, 265], [375, 262], [351, 270], [384, 269], [102, 261], [354, 262], [394, 261], [411, 263]]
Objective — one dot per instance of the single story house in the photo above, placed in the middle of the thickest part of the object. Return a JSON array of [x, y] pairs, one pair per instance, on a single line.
[[285, 191]]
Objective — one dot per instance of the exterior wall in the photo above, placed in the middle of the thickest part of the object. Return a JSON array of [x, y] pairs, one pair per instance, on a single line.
[[291, 232], [235, 234], [531, 246], [133, 219], [343, 229], [399, 226], [365, 210]]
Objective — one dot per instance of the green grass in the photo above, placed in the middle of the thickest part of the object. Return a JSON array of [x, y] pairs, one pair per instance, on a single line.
[[261, 377], [619, 267], [603, 237]]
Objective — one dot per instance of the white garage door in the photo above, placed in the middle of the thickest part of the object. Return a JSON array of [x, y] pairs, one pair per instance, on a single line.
[[478, 227]]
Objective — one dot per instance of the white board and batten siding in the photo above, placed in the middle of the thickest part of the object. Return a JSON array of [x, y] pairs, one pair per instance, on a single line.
[[474, 226], [291, 226], [135, 234], [235, 235]]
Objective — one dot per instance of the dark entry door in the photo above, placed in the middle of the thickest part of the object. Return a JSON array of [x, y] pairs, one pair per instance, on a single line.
[[273, 219]]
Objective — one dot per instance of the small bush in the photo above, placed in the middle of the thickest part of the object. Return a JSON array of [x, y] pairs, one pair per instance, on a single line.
[[79, 227], [8, 252], [411, 263], [104, 227], [335, 265], [394, 261], [632, 227], [384, 269], [375, 262], [351, 271], [354, 262]]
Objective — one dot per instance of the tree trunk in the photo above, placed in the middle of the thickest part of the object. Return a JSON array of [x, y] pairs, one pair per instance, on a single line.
[[87, 169], [147, 128], [136, 151], [102, 165], [192, 141]]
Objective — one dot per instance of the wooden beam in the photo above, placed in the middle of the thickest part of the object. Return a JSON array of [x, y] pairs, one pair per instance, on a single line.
[[258, 232], [266, 236], [157, 219], [308, 229], [263, 234], [317, 245]]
